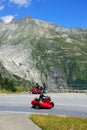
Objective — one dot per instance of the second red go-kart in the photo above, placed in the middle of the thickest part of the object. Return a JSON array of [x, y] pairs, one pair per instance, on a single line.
[[33, 91], [44, 103]]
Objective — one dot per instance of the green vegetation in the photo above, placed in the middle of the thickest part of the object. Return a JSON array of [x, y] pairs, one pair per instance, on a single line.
[[53, 122], [7, 84], [51, 56], [16, 84]]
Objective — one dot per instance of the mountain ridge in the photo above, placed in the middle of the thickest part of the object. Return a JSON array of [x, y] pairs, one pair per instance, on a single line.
[[40, 52]]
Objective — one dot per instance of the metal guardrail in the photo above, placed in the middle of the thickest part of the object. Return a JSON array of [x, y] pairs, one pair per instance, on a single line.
[[68, 90]]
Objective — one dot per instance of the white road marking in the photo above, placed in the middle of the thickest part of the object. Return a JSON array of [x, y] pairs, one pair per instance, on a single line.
[[58, 104], [62, 104]]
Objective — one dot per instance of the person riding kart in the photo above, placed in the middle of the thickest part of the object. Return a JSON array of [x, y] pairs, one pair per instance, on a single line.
[[41, 96], [42, 102], [36, 87], [44, 88]]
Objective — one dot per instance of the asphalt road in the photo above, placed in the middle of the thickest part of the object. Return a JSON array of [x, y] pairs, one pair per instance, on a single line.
[[65, 104]]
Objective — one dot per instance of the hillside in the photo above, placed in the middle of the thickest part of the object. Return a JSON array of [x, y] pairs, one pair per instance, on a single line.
[[43, 52]]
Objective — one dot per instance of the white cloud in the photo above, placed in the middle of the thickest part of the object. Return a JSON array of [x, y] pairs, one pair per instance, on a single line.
[[7, 19], [21, 2], [1, 7], [2, 4]]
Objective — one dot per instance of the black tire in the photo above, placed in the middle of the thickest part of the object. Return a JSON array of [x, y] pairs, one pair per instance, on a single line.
[[52, 104], [37, 106]]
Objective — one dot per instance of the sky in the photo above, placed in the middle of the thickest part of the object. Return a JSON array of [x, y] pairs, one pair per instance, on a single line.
[[66, 13]]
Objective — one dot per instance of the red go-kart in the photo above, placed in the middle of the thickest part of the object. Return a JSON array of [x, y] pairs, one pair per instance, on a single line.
[[37, 91], [43, 103]]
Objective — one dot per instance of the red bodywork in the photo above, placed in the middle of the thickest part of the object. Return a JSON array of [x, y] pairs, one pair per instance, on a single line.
[[44, 103], [32, 90]]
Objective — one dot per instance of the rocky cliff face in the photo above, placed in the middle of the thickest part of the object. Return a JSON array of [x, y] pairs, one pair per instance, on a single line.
[[42, 52]]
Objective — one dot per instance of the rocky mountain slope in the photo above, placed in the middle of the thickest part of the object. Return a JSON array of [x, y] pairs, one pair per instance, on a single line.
[[43, 52]]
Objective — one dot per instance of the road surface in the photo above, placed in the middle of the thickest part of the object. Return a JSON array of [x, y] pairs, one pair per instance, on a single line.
[[73, 104]]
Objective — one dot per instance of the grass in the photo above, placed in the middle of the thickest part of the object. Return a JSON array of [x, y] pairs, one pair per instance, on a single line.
[[53, 122], [5, 91], [8, 92]]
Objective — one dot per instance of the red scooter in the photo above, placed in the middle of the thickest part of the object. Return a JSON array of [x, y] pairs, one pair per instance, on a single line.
[[45, 102]]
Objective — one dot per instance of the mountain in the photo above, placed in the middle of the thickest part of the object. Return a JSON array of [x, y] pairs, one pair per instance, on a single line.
[[39, 51]]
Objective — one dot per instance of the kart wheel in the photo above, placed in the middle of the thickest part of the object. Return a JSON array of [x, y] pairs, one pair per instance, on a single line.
[[52, 104], [37, 106]]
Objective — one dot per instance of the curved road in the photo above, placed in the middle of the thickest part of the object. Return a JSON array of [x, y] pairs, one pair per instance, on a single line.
[[65, 104]]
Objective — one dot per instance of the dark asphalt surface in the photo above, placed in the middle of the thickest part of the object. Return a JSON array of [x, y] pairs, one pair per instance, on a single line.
[[16, 108], [65, 104]]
